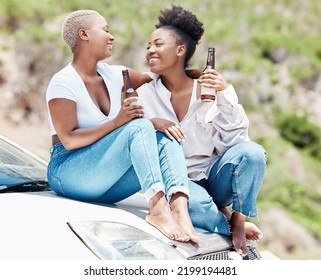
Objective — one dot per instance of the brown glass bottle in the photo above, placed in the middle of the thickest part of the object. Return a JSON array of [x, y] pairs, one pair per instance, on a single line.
[[128, 89], [209, 94]]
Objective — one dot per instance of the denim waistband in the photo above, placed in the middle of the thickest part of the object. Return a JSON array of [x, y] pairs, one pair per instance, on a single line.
[[57, 148]]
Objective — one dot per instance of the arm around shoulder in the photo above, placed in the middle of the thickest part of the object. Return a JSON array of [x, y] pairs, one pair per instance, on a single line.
[[138, 78]]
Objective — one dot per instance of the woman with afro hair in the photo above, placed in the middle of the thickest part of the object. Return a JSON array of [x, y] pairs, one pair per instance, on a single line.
[[219, 154]]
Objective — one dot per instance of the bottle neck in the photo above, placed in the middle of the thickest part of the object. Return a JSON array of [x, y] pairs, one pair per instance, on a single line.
[[127, 82], [128, 90], [210, 63]]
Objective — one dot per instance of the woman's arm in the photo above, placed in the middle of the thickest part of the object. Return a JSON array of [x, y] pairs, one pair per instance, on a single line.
[[139, 78], [64, 118]]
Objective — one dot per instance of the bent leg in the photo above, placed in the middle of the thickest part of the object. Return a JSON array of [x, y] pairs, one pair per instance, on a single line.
[[174, 172], [89, 172], [172, 165], [153, 158], [236, 179]]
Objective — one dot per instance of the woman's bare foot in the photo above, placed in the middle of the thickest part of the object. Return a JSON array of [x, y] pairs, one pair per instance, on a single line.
[[252, 232], [237, 223], [180, 213], [160, 216]]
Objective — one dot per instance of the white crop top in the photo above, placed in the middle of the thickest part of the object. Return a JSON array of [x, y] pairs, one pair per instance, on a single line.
[[68, 84]]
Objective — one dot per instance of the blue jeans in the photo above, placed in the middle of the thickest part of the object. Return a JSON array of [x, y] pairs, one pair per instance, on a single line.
[[131, 158], [236, 178], [204, 213], [118, 165]]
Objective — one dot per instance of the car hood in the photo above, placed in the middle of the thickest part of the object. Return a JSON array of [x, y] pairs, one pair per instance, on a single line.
[[35, 225]]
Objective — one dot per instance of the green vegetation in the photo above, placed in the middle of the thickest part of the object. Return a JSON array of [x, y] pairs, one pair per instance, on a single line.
[[300, 132], [253, 28]]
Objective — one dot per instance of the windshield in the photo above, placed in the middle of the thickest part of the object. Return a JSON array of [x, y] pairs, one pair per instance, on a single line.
[[18, 166]]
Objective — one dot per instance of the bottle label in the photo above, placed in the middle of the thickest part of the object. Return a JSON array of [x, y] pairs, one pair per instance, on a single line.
[[207, 97], [208, 94]]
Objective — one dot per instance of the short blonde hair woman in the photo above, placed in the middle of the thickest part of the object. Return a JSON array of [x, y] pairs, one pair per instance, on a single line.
[[102, 151]]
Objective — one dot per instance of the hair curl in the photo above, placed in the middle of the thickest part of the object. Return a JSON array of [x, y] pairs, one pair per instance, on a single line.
[[81, 19], [188, 29]]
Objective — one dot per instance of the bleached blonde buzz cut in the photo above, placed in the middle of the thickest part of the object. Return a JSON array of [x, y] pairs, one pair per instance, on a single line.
[[81, 19]]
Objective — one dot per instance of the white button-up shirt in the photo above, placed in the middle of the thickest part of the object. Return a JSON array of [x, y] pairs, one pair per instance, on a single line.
[[211, 127]]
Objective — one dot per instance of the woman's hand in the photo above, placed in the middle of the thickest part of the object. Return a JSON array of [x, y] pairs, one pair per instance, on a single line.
[[171, 129], [213, 79], [129, 111]]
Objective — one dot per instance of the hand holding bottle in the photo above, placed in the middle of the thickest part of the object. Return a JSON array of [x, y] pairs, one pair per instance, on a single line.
[[133, 100], [129, 111], [128, 90], [211, 78]]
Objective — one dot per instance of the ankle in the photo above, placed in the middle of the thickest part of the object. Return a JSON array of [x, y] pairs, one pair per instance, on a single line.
[[158, 205], [179, 202], [237, 219]]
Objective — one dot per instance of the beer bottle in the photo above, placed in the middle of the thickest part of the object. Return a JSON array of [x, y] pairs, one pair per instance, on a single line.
[[128, 90], [209, 94]]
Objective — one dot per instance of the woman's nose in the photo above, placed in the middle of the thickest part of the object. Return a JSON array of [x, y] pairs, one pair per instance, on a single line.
[[150, 50]]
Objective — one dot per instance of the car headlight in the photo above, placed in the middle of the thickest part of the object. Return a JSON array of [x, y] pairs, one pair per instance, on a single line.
[[117, 241]]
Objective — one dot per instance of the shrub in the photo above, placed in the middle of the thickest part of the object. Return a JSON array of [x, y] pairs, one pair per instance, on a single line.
[[300, 132]]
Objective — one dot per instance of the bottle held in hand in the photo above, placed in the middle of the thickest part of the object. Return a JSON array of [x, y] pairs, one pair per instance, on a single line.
[[128, 90], [209, 94]]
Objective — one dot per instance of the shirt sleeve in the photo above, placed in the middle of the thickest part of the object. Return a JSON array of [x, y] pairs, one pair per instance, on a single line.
[[231, 123], [60, 86]]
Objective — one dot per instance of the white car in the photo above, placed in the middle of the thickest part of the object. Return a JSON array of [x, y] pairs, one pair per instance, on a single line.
[[37, 224]]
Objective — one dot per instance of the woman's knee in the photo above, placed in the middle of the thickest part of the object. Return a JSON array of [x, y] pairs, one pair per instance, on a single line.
[[140, 125], [253, 152], [199, 199], [163, 140]]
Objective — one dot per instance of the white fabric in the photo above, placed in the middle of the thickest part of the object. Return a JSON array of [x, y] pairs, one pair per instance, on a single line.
[[211, 127], [68, 84]]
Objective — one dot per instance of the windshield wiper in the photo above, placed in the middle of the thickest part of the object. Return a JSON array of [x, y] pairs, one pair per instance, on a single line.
[[31, 186]]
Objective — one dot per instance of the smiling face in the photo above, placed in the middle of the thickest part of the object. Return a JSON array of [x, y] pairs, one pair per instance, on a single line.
[[163, 52], [99, 38]]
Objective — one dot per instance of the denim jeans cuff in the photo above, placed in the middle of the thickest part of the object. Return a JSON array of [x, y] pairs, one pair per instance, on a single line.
[[154, 189], [176, 189]]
